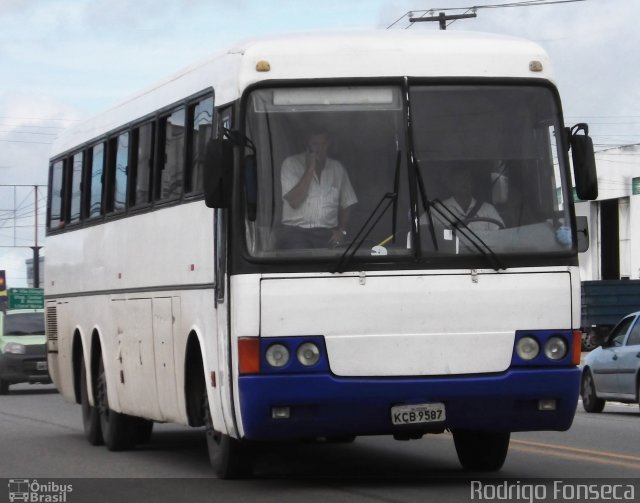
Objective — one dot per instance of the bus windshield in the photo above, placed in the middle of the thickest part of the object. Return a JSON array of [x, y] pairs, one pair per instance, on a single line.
[[447, 171]]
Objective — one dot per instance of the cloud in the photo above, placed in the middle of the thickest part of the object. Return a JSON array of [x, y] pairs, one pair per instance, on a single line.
[[28, 123], [13, 262]]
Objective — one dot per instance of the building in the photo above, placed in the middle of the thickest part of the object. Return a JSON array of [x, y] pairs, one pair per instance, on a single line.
[[614, 218]]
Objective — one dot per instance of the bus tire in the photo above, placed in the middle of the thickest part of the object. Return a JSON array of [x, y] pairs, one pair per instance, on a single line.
[[143, 430], [481, 450], [590, 401], [118, 430], [4, 387], [90, 415], [229, 457]]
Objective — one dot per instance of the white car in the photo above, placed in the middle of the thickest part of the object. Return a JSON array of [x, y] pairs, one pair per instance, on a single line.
[[612, 371]]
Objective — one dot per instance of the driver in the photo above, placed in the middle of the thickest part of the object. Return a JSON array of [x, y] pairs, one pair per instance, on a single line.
[[478, 215]]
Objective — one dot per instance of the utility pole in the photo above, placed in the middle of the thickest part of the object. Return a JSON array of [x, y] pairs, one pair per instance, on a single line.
[[36, 248], [442, 18], [16, 217]]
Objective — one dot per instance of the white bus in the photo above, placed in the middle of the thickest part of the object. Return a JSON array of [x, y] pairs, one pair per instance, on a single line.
[[402, 315]]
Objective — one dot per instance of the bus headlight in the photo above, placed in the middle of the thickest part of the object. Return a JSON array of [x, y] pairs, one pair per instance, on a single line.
[[277, 355], [527, 348], [308, 354], [555, 348]]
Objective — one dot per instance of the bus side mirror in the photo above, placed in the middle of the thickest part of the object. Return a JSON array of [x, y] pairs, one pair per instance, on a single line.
[[251, 186], [584, 163], [218, 173], [582, 231]]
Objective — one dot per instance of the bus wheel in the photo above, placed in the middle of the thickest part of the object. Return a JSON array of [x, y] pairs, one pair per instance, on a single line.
[[4, 387], [143, 430], [118, 429], [481, 450], [90, 415], [229, 457], [590, 402]]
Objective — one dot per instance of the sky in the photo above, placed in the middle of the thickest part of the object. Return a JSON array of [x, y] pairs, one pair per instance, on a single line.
[[62, 61]]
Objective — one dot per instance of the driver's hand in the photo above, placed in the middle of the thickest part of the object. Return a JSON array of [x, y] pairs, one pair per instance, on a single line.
[[337, 238]]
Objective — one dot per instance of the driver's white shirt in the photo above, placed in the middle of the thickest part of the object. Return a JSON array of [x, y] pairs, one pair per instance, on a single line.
[[326, 196], [485, 211]]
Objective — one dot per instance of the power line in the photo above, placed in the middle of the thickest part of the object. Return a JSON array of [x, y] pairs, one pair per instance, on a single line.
[[474, 8], [17, 117], [29, 132], [26, 141]]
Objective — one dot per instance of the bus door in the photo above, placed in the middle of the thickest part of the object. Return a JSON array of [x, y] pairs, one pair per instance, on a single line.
[[166, 317], [224, 386]]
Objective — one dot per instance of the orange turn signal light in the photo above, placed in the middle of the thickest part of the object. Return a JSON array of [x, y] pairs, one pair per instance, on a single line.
[[577, 347], [249, 355]]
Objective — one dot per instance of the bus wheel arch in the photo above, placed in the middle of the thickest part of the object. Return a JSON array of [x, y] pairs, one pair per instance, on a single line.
[[194, 381], [77, 355]]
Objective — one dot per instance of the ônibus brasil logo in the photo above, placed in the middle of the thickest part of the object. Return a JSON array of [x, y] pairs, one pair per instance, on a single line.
[[33, 491]]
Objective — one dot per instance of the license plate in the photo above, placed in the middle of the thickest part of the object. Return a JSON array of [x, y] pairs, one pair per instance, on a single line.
[[417, 414], [42, 366]]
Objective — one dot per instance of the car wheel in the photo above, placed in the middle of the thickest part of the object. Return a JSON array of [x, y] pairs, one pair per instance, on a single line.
[[4, 387], [481, 450], [90, 415], [118, 430], [229, 457], [589, 342], [590, 401]]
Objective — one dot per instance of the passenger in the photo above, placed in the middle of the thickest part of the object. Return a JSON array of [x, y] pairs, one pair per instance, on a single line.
[[317, 197]]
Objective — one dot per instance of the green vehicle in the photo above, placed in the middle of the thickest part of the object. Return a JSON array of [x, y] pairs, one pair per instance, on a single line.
[[23, 350]]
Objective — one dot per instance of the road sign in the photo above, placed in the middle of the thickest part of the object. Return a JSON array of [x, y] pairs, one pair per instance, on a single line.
[[26, 298]]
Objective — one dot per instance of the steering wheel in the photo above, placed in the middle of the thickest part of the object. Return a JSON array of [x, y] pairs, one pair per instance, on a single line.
[[485, 219]]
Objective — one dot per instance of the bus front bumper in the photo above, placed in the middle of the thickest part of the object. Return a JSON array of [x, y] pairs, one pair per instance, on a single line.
[[323, 405]]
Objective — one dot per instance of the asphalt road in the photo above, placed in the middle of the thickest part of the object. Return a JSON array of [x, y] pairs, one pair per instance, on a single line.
[[41, 439]]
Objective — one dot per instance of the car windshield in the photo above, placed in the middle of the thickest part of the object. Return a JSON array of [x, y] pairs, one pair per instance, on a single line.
[[24, 324], [331, 172]]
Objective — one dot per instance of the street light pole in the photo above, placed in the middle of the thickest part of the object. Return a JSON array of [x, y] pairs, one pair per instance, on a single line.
[[36, 249]]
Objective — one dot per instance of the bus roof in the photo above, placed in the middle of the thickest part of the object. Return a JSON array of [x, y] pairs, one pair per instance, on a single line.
[[324, 55]]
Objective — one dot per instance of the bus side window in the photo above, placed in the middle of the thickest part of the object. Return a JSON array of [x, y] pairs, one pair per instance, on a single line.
[[201, 130], [56, 188], [172, 153], [75, 188], [140, 178], [95, 178], [117, 172]]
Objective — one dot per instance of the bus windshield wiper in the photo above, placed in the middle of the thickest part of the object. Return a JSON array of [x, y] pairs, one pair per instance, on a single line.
[[459, 224], [456, 222], [365, 230]]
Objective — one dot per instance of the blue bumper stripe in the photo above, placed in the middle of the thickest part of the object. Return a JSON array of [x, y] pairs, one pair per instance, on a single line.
[[326, 405]]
